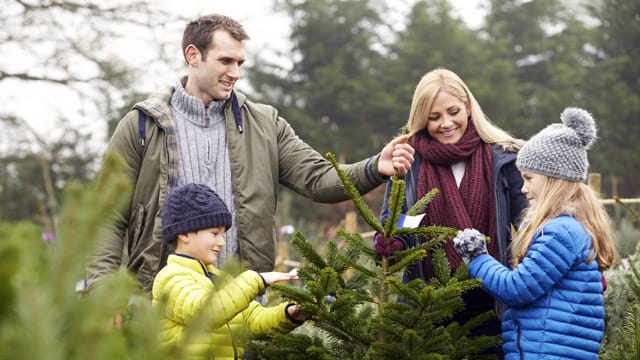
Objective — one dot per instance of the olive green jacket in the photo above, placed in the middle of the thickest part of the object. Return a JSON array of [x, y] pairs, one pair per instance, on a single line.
[[264, 155]]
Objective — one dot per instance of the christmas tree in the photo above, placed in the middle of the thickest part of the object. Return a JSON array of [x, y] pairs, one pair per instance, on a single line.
[[359, 308]]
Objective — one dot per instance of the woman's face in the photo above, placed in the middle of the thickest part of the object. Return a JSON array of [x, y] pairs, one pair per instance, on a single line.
[[448, 119]]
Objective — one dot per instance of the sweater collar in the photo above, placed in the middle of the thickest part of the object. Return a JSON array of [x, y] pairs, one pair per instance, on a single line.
[[192, 108]]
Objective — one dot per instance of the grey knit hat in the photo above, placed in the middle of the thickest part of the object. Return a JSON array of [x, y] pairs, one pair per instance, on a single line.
[[560, 150], [192, 207]]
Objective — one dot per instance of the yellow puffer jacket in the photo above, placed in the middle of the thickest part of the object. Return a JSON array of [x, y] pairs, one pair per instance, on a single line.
[[209, 319]]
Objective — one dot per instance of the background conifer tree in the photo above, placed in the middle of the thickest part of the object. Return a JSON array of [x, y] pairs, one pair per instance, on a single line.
[[42, 316], [622, 301]]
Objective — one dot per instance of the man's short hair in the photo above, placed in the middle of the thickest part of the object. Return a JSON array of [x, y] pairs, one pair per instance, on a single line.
[[199, 32]]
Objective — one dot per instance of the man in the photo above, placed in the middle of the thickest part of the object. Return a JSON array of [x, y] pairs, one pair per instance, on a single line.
[[202, 131]]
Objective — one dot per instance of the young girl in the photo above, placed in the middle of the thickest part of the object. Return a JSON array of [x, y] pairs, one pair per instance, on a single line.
[[553, 292]]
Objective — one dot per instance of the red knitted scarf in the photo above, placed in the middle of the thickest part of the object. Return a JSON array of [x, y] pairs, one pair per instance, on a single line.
[[471, 205]]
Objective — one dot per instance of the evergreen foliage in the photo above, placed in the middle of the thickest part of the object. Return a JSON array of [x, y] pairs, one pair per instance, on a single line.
[[42, 316], [359, 308], [622, 338]]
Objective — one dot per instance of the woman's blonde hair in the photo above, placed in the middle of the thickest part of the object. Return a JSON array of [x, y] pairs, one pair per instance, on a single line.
[[442, 79], [574, 198]]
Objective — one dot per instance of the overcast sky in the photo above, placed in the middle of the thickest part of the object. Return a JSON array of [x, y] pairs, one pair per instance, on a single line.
[[268, 31]]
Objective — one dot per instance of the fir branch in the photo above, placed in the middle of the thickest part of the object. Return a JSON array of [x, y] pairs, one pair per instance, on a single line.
[[357, 246], [337, 330], [420, 205], [441, 267], [355, 196], [307, 251], [407, 257], [332, 260], [396, 199], [297, 295], [440, 232], [633, 280], [353, 263], [328, 281], [405, 291], [628, 207], [358, 282]]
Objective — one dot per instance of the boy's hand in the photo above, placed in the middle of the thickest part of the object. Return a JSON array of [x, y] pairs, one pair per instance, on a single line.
[[276, 276], [295, 311]]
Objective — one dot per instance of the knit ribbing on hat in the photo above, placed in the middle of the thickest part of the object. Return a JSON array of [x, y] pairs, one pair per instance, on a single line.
[[560, 150], [192, 207]]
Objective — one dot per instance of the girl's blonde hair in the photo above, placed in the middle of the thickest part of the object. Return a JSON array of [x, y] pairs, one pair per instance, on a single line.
[[574, 198], [442, 79]]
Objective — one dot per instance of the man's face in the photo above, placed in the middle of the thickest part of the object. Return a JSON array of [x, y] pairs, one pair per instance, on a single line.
[[214, 77]]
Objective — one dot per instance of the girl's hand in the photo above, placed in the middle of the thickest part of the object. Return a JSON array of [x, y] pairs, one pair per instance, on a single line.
[[469, 244]]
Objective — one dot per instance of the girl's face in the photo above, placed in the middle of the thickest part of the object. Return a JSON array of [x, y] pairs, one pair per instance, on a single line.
[[448, 118], [204, 245], [532, 187]]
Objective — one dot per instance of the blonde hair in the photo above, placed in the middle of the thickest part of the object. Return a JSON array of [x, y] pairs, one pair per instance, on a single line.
[[442, 79], [575, 198]]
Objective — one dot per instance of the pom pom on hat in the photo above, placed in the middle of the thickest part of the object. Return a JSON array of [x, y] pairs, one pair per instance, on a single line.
[[560, 150], [193, 207], [582, 123]]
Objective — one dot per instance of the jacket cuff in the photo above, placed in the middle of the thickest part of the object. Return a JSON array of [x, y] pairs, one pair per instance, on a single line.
[[263, 283], [292, 319], [371, 171]]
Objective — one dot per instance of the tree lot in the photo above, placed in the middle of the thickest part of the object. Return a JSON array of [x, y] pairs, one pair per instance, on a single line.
[[354, 67]]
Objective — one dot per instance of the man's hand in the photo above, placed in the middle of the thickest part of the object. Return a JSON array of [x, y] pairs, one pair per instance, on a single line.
[[396, 155]]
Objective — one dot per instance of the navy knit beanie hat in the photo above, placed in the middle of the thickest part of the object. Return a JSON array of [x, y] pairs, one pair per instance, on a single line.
[[192, 207], [560, 150]]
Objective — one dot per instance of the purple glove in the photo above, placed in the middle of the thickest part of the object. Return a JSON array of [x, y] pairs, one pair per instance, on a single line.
[[387, 247], [469, 244]]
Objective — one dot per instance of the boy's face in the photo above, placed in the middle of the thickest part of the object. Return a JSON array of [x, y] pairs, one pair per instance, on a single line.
[[204, 245]]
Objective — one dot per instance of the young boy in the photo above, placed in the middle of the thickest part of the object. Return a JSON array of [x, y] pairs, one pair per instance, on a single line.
[[193, 291]]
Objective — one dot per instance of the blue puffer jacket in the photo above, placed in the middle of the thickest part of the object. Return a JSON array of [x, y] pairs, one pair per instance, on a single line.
[[555, 305]]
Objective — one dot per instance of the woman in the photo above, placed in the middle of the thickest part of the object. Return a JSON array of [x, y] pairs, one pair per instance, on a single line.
[[472, 164]]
